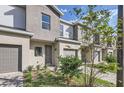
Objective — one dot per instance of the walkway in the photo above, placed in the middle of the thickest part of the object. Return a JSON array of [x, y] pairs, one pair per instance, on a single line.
[[14, 79]]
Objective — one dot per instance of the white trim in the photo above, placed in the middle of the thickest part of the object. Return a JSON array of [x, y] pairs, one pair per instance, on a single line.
[[68, 40], [57, 9], [65, 21], [68, 22], [16, 31]]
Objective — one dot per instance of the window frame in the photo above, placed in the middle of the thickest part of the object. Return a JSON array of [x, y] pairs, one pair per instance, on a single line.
[[96, 39], [38, 54], [62, 30], [49, 23], [109, 44]]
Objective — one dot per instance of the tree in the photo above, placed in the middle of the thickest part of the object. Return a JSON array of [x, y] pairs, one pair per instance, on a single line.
[[69, 66], [95, 23]]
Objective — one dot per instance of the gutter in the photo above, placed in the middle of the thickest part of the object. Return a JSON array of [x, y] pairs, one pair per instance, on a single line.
[[57, 9], [15, 31]]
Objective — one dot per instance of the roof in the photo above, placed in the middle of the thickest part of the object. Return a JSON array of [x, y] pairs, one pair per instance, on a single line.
[[69, 22], [57, 9], [53, 6], [16, 31], [65, 21]]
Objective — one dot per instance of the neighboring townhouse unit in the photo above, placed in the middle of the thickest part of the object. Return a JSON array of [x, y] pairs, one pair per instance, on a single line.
[[72, 43], [35, 34]]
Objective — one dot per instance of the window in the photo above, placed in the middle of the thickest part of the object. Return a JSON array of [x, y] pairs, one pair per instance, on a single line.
[[45, 21], [38, 51], [96, 39], [109, 44], [61, 30]]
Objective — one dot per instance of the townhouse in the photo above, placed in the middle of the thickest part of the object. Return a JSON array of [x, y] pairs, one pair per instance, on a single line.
[[35, 34]]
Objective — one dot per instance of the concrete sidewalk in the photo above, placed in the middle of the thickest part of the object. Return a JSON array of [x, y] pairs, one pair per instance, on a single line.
[[111, 77], [14, 79]]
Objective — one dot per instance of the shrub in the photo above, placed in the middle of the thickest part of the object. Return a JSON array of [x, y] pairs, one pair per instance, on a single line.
[[38, 67], [28, 79], [102, 67], [69, 67], [109, 67], [110, 59], [30, 68]]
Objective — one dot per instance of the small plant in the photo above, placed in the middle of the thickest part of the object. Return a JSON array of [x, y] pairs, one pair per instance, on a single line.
[[30, 68], [28, 78], [45, 67], [110, 59], [69, 67], [38, 67]]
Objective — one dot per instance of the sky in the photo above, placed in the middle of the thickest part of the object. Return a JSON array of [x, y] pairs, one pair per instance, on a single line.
[[69, 17]]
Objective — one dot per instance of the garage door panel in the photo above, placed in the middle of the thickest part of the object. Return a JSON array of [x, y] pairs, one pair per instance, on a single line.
[[9, 58]]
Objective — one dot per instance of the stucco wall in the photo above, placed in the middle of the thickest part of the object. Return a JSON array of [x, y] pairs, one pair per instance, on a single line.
[[15, 39], [12, 16], [35, 60], [34, 22]]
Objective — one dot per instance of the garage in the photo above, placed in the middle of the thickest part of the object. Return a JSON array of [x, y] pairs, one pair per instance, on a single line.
[[10, 58], [70, 52]]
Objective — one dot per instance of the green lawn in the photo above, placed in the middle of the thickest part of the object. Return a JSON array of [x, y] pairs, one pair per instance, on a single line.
[[99, 65], [45, 78]]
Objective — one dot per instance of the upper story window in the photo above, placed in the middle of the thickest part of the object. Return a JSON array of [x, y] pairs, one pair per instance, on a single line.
[[45, 21], [97, 39], [109, 44], [61, 30]]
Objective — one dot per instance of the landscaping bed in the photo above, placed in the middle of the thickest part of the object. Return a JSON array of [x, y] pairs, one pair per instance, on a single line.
[[48, 78]]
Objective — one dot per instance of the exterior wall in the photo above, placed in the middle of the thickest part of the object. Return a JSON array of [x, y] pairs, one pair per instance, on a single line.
[[35, 60], [63, 45], [34, 22], [67, 30], [12, 16], [81, 34], [40, 59], [15, 39]]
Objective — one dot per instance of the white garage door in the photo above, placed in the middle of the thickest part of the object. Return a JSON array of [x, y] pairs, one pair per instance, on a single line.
[[70, 52], [10, 58]]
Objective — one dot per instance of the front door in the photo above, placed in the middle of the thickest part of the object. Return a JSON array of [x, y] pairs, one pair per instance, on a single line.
[[97, 56], [48, 54]]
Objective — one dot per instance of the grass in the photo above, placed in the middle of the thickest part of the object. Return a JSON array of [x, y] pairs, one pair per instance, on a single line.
[[98, 66], [47, 78], [104, 83]]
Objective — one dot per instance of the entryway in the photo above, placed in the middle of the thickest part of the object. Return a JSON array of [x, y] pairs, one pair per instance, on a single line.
[[48, 55]]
